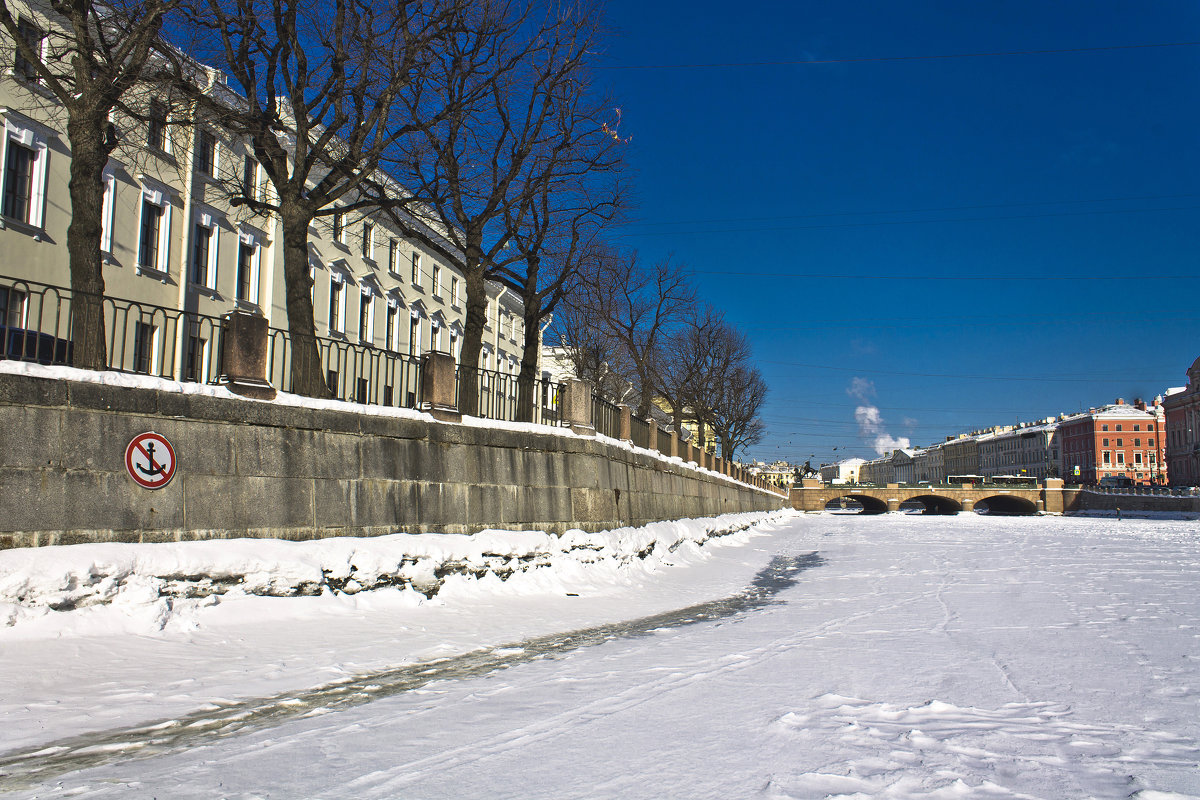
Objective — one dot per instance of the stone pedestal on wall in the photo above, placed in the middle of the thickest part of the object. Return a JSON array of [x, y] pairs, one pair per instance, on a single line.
[[437, 387], [244, 355]]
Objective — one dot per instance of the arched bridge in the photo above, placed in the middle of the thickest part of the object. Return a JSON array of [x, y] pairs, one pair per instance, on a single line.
[[1049, 497]]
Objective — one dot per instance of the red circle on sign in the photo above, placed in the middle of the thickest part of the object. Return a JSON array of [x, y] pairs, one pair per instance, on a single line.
[[150, 460]]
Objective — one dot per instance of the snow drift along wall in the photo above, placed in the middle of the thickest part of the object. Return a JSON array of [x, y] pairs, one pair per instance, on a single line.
[[247, 468]]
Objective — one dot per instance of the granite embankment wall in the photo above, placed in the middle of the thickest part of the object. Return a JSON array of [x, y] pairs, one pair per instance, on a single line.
[[1141, 500], [263, 469]]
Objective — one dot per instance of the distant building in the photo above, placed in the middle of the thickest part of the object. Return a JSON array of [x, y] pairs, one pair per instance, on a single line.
[[1117, 439], [842, 472], [961, 455], [1182, 409], [1030, 451]]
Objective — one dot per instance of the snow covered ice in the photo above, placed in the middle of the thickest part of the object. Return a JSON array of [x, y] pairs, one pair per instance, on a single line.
[[895, 656]]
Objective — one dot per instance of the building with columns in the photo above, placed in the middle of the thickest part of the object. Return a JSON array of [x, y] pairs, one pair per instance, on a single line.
[[1182, 408]]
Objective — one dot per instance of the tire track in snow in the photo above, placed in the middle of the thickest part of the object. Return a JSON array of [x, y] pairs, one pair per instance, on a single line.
[[34, 765]]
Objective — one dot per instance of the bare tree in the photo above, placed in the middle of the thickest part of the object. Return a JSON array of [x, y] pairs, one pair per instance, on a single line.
[[734, 414], [639, 308], [326, 88], [593, 352], [88, 55], [571, 198], [477, 167], [682, 376]]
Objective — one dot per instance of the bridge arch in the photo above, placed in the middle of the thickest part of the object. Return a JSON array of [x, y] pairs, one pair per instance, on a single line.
[[938, 504], [1006, 505], [870, 505]]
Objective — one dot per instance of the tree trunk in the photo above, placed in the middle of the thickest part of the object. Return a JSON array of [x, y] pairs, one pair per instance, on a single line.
[[307, 377], [89, 155], [527, 380], [477, 303]]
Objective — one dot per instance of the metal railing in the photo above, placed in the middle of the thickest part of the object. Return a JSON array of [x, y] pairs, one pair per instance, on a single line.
[[356, 373], [35, 325], [639, 431], [499, 396], [606, 416]]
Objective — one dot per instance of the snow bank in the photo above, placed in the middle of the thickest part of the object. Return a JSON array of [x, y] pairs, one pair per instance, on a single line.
[[153, 581]]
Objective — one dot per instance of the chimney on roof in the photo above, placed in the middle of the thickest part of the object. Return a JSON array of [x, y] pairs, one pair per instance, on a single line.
[[1120, 401], [1139, 404]]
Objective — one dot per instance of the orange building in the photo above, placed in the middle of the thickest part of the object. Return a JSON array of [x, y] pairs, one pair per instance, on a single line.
[[1115, 440]]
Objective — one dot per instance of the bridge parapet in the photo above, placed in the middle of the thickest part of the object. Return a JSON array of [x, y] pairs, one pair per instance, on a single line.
[[1050, 497]]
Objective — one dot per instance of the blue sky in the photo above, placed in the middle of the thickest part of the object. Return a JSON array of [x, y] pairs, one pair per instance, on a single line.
[[977, 239]]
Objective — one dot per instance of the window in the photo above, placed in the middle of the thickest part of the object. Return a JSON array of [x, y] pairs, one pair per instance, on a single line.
[[14, 307], [1120, 442], [337, 308], [454, 290], [154, 242], [368, 242], [390, 332], [202, 250], [394, 256], [1107, 457], [32, 35], [454, 344], [206, 153], [248, 268], [1137, 458], [144, 342], [107, 206], [1137, 427], [437, 280], [339, 228], [19, 166], [250, 178], [1118, 426], [196, 368], [1120, 457], [366, 333], [416, 269], [1149, 443], [156, 127], [1137, 442], [1106, 442], [1104, 427], [362, 391], [414, 336]]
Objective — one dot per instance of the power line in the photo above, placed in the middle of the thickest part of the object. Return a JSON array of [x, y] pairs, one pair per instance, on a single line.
[[911, 222], [930, 210], [878, 59], [956, 376]]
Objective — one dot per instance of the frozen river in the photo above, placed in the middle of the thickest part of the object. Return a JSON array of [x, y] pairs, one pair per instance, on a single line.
[[892, 657]]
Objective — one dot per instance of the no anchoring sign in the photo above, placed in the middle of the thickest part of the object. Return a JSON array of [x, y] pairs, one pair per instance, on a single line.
[[150, 460]]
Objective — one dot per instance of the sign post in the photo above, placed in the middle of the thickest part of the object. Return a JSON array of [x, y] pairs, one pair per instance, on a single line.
[[150, 460]]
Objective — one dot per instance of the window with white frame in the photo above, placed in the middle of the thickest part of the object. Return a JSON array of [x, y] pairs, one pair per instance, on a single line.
[[206, 153], [14, 307], [437, 280], [454, 290], [394, 256], [366, 316], [337, 302], [24, 174], [435, 333], [35, 37], [198, 351], [368, 240], [205, 236], [339, 228], [154, 240], [108, 210], [414, 334], [250, 178], [416, 269], [249, 253], [145, 347], [389, 334], [156, 127]]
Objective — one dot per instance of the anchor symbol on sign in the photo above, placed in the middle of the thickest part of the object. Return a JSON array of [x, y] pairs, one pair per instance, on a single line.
[[154, 468]]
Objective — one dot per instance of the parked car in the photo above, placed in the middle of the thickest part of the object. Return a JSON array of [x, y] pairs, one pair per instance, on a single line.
[[1116, 482]]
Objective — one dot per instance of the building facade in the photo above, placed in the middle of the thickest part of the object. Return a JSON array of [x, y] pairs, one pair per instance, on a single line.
[[172, 240], [1114, 440], [1182, 409]]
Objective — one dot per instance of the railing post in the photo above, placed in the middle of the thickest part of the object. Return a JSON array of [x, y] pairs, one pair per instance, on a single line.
[[625, 424], [437, 387], [577, 407], [652, 435], [244, 355], [672, 450]]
